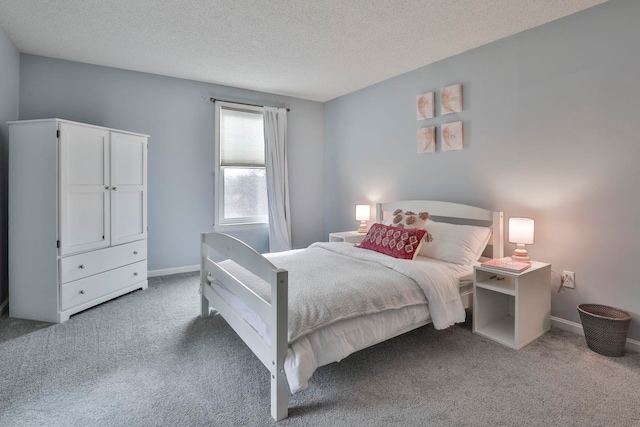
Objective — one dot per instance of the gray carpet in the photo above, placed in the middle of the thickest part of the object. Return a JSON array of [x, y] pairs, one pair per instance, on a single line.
[[148, 359]]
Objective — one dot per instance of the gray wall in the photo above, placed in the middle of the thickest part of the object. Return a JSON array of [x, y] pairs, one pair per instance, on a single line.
[[550, 132], [178, 116], [9, 79]]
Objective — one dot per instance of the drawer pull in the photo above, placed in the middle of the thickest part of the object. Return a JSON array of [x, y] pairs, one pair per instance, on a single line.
[[81, 266], [82, 291], [135, 252], [135, 274]]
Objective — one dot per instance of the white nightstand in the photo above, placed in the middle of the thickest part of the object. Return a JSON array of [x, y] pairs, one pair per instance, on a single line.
[[512, 308], [347, 236]]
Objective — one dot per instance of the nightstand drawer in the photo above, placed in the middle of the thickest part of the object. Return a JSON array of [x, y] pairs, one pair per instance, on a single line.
[[84, 265]]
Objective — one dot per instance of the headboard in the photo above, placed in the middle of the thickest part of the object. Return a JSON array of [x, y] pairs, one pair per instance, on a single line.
[[494, 219]]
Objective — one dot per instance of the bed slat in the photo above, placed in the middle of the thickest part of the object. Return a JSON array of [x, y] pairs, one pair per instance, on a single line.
[[498, 234], [250, 298], [241, 253], [253, 340]]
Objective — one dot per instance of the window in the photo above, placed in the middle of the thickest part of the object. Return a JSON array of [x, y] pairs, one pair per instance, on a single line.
[[241, 184]]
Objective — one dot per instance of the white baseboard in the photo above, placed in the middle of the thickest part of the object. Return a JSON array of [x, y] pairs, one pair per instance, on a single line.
[[4, 307], [576, 328], [177, 270]]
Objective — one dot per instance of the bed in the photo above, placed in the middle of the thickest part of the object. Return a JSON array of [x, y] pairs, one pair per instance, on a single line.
[[255, 298]]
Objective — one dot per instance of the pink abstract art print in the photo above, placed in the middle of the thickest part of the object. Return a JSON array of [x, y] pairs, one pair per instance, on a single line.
[[425, 104], [427, 140], [452, 136], [451, 99]]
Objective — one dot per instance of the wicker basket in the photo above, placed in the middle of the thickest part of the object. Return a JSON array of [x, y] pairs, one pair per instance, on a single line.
[[605, 328]]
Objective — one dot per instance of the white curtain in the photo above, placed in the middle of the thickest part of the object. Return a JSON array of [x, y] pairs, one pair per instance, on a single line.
[[275, 137]]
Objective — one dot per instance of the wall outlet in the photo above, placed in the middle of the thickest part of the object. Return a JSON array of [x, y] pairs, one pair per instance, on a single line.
[[569, 279]]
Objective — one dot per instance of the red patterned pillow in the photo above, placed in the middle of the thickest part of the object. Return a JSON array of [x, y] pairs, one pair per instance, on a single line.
[[403, 243]]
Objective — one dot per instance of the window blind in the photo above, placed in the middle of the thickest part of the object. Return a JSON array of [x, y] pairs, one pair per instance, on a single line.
[[241, 138]]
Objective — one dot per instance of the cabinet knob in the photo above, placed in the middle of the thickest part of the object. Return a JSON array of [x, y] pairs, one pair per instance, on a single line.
[[106, 187], [81, 266], [82, 291], [135, 274], [114, 188], [135, 252]]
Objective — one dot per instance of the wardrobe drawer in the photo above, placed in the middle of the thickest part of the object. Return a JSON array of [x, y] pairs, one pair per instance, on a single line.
[[85, 290], [87, 264]]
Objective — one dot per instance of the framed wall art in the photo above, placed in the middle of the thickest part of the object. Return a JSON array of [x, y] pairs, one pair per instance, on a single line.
[[451, 138], [427, 140], [425, 106], [451, 99]]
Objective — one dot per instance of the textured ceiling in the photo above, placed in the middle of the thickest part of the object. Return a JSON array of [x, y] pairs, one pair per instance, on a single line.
[[311, 49]]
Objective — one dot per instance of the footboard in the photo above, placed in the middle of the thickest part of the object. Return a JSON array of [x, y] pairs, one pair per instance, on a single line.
[[273, 352]]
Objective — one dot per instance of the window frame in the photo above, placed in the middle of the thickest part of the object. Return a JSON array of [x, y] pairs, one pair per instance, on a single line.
[[219, 223]]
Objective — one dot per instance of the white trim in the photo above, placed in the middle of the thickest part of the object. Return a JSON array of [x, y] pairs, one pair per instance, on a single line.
[[4, 307], [566, 325], [225, 228], [576, 328], [175, 270]]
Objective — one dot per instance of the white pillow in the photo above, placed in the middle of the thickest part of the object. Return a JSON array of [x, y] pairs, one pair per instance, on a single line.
[[460, 244], [407, 219]]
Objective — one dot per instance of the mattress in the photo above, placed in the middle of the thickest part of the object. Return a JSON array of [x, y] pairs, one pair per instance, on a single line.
[[338, 340]]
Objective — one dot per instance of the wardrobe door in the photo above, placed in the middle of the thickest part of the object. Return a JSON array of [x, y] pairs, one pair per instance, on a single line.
[[84, 188], [128, 188]]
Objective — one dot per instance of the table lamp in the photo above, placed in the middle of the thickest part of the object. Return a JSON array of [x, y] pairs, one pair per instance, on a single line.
[[363, 214], [521, 233]]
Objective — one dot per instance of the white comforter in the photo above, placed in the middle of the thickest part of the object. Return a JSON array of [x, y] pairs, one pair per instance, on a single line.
[[438, 283], [329, 282], [333, 282]]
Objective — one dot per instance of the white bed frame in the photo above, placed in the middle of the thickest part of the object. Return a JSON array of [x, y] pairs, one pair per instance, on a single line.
[[272, 353]]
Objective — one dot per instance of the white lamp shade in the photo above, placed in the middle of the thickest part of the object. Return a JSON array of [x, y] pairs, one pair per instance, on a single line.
[[521, 230], [363, 212]]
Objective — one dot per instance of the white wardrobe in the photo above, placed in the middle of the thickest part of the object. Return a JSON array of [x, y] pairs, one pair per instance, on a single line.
[[77, 217]]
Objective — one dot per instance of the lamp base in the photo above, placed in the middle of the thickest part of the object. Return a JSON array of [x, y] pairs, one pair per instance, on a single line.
[[520, 254], [363, 227]]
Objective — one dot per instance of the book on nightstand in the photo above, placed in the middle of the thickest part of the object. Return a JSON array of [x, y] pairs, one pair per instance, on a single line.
[[506, 264]]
